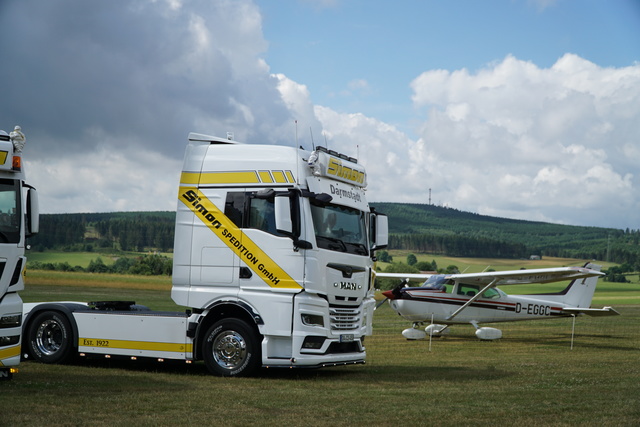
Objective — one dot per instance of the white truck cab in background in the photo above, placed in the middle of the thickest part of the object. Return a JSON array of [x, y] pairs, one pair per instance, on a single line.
[[18, 220]]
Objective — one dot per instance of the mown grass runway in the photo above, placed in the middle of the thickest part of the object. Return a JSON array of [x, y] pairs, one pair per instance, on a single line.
[[531, 376]]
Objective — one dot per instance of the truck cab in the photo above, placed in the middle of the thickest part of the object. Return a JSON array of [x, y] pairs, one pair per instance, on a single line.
[[285, 236]]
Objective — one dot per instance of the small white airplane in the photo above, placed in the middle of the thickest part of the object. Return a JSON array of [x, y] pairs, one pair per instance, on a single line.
[[444, 300]]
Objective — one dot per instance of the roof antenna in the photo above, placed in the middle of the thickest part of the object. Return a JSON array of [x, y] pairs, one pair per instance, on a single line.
[[297, 134], [325, 140], [312, 143]]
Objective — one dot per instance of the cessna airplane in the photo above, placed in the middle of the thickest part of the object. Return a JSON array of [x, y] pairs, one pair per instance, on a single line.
[[444, 300]]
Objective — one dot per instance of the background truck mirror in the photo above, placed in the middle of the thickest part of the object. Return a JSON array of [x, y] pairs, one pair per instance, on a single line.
[[33, 212]]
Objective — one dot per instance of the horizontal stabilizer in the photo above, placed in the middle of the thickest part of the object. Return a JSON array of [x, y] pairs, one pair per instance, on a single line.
[[595, 312]]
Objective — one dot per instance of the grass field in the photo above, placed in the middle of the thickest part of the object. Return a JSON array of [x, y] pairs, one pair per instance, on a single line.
[[532, 376]]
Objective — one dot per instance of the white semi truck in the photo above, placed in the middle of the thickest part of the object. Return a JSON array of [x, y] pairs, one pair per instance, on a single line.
[[18, 220], [273, 262]]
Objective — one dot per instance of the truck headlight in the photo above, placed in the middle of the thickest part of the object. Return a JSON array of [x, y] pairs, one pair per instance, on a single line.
[[313, 343], [10, 320], [12, 340], [312, 320]]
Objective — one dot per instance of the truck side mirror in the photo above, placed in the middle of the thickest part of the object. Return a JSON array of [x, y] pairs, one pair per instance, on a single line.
[[33, 213], [380, 231], [286, 223], [282, 208]]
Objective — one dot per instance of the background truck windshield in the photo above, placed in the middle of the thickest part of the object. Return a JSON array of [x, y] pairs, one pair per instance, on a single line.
[[9, 211]]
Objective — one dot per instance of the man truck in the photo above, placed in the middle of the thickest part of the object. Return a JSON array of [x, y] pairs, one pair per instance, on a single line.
[[273, 262], [18, 220]]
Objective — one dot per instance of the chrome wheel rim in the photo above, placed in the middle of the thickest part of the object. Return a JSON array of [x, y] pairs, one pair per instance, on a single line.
[[229, 350], [49, 337]]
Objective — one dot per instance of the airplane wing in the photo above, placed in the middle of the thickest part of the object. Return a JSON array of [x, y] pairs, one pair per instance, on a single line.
[[417, 276], [594, 312], [521, 277], [512, 277]]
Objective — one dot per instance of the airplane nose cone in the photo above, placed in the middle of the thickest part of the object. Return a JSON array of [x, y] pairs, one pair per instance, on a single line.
[[389, 294]]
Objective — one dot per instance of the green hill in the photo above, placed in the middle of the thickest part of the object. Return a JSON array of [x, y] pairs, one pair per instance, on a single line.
[[435, 229]]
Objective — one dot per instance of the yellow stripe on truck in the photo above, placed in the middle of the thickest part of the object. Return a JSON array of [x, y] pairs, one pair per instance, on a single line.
[[279, 177], [252, 255], [9, 352], [238, 177], [265, 176], [135, 345]]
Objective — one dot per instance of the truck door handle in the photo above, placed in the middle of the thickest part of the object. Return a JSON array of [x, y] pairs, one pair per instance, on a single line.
[[245, 273]]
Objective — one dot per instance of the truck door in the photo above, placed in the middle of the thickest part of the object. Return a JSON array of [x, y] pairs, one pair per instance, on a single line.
[[203, 259], [267, 259]]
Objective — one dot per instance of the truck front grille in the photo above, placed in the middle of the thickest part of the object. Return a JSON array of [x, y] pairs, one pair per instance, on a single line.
[[343, 319]]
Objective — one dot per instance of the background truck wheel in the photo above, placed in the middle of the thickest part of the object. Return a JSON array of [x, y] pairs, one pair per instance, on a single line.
[[231, 348], [50, 338]]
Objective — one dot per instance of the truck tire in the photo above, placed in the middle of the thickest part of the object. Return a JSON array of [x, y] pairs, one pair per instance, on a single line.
[[50, 338], [231, 348]]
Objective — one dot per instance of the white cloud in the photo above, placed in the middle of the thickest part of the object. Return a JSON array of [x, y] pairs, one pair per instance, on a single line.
[[106, 180], [107, 110], [541, 5], [297, 98], [549, 141]]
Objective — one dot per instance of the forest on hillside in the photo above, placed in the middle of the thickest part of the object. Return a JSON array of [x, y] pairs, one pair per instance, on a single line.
[[119, 231], [415, 227], [446, 231]]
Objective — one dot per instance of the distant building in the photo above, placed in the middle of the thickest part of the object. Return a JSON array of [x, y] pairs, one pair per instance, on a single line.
[[535, 257]]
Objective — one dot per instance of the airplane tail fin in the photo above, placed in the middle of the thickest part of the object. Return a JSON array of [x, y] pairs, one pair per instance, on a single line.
[[580, 292]]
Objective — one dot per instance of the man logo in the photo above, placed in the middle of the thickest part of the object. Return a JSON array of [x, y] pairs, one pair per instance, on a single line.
[[347, 285]]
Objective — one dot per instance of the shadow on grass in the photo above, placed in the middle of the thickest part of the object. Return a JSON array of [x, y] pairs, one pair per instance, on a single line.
[[392, 373], [140, 365], [594, 341]]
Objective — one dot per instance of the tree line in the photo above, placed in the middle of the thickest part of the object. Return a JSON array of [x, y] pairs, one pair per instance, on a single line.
[[145, 265], [122, 231], [458, 245]]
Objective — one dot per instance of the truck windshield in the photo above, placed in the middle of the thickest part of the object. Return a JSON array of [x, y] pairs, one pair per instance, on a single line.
[[9, 211], [340, 228]]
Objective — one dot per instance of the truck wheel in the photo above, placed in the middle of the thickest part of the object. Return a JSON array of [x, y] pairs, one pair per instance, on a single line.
[[231, 348], [50, 338]]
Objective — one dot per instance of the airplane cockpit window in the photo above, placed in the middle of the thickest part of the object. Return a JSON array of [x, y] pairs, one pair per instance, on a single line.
[[472, 290], [437, 282], [492, 293], [468, 290]]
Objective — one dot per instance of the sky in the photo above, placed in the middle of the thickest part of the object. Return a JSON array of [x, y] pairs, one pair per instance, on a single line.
[[524, 109]]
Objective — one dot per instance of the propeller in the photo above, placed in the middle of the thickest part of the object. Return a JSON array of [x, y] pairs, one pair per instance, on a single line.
[[392, 294]]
